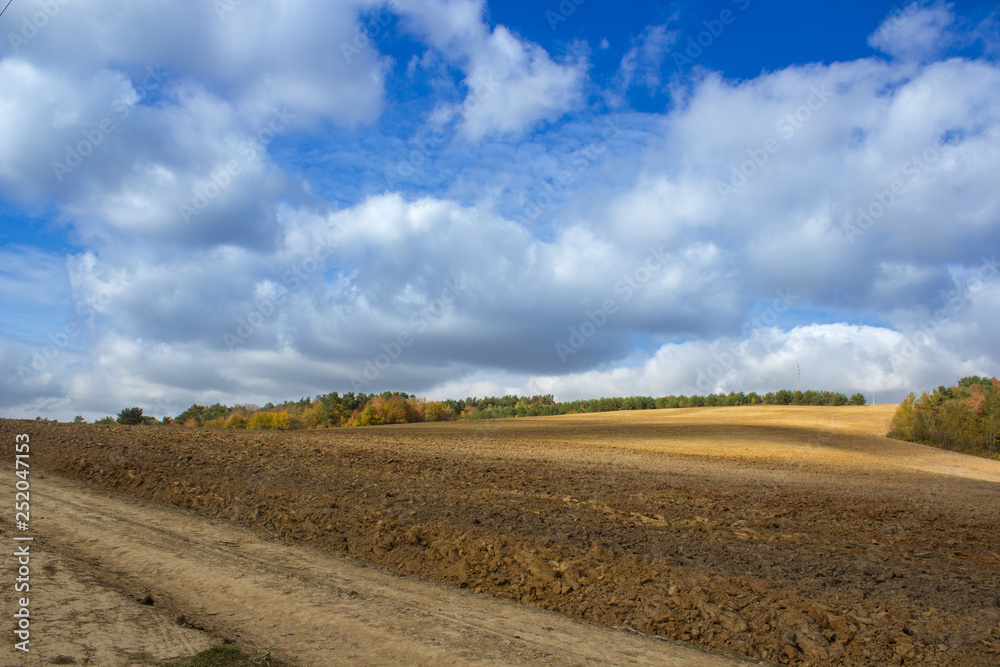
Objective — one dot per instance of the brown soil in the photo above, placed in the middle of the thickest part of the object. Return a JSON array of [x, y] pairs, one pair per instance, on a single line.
[[795, 535], [156, 571]]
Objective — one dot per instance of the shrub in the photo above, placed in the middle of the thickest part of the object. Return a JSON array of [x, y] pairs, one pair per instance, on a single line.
[[79, 420], [236, 420], [270, 421], [260, 420], [436, 411], [282, 420]]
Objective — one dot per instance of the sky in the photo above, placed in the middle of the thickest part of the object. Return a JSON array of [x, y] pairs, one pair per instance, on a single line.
[[242, 201]]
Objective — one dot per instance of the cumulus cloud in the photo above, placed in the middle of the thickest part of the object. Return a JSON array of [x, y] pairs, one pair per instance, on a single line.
[[511, 84], [219, 45], [916, 33], [876, 361]]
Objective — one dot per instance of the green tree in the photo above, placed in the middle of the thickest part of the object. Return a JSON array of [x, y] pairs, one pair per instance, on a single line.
[[79, 420], [195, 412], [858, 399], [130, 416]]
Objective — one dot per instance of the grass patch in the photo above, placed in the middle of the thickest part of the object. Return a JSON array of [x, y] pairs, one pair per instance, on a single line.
[[226, 655]]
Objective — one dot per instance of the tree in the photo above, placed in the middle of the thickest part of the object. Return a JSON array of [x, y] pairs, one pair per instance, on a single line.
[[435, 411], [79, 420], [130, 416], [965, 417], [858, 399], [236, 420], [195, 412]]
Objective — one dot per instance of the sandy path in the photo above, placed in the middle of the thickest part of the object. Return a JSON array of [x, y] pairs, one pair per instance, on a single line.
[[306, 606]]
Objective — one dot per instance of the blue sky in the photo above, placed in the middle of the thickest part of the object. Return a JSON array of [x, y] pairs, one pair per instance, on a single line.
[[252, 201]]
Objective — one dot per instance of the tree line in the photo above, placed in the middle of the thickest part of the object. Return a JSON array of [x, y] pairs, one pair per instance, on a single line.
[[964, 417], [392, 407]]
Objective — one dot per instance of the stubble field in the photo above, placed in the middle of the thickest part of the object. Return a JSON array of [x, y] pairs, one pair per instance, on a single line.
[[787, 535]]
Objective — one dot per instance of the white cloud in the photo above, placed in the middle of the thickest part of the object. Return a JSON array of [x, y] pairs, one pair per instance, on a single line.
[[832, 357], [303, 65], [512, 84], [916, 33], [641, 64]]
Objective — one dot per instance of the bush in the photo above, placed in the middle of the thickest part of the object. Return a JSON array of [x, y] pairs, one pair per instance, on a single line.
[[436, 411], [130, 416], [270, 421], [236, 421], [79, 420]]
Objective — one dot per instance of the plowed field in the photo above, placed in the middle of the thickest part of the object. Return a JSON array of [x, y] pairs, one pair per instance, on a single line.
[[791, 535]]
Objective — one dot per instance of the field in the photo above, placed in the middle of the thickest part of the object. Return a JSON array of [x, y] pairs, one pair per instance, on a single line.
[[770, 535]]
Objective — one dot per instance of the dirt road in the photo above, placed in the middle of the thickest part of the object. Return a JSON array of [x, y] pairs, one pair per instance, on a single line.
[[307, 606], [794, 535]]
